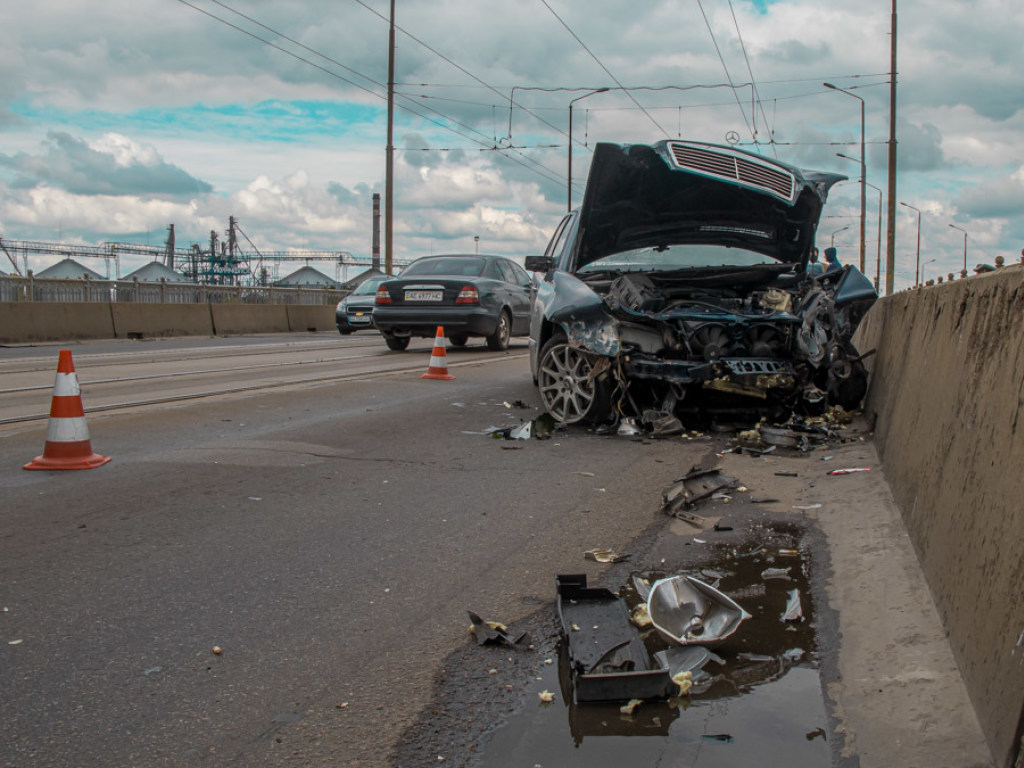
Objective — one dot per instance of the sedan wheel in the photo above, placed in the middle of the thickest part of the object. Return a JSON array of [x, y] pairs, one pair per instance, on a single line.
[[566, 388], [499, 339], [396, 343]]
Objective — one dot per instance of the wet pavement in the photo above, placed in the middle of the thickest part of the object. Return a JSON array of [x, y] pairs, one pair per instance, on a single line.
[[760, 693]]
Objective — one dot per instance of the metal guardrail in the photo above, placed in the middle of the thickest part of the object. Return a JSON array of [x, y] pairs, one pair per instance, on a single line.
[[15, 288]]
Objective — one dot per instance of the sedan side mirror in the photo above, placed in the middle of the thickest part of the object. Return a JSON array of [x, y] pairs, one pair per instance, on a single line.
[[539, 263]]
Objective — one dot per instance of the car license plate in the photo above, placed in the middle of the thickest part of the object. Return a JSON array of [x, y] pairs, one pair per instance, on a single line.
[[424, 295]]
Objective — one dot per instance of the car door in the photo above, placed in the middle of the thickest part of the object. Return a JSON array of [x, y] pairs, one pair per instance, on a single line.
[[518, 286]]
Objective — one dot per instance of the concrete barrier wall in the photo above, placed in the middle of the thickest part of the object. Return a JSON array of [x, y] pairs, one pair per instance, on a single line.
[[152, 320], [304, 317], [238, 319], [30, 322], [27, 322], [947, 400]]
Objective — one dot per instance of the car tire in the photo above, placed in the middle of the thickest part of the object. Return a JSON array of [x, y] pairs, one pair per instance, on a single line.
[[458, 339], [345, 332], [567, 391], [396, 343], [498, 340]]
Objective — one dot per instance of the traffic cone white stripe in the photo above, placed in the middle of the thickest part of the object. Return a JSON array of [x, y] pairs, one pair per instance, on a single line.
[[66, 385], [67, 431]]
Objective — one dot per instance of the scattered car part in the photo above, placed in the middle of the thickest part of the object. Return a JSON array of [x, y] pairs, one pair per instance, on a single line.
[[794, 610], [687, 611], [608, 659], [492, 632], [697, 485]]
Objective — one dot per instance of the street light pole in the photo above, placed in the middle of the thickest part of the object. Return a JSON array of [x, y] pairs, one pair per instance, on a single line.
[[832, 242], [878, 255], [863, 168], [917, 262], [578, 98], [954, 226]]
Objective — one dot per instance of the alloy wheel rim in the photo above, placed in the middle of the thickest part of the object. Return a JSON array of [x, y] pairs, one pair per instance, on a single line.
[[565, 384]]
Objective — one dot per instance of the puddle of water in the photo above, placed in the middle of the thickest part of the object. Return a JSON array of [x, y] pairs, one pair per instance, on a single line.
[[764, 699]]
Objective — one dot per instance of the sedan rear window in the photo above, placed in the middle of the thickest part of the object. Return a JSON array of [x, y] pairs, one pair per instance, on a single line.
[[467, 266]]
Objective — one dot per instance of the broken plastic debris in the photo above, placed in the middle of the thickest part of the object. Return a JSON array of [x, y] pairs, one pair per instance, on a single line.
[[493, 632], [546, 696], [775, 573], [627, 709], [640, 616], [662, 423], [849, 471], [794, 611], [515, 404], [19, 641], [628, 428], [604, 556], [807, 506], [585, 474], [684, 680]]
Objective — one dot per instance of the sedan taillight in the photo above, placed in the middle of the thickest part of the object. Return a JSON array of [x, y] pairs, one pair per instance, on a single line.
[[468, 295], [383, 297]]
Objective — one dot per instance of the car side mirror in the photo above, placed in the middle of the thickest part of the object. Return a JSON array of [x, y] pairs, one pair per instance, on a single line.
[[539, 263]]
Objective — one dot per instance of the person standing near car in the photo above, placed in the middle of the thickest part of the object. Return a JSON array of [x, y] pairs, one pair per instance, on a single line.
[[833, 260], [814, 267]]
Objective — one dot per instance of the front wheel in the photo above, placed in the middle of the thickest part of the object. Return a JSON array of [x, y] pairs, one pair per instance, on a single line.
[[396, 343], [568, 390], [498, 340]]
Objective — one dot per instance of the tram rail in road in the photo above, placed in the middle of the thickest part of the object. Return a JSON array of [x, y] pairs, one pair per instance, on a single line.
[[115, 379]]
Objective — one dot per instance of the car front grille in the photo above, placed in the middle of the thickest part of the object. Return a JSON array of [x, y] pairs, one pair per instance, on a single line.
[[743, 170]]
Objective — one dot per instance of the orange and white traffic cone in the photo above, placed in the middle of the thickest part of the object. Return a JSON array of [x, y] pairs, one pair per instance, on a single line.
[[438, 363], [67, 436]]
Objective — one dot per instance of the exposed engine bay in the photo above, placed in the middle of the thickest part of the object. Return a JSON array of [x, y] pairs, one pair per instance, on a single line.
[[761, 333]]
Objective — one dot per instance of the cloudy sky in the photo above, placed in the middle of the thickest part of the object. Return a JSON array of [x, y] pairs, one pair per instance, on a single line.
[[121, 117]]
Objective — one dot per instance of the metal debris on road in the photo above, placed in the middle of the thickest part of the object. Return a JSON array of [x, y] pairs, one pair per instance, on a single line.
[[794, 610], [492, 632], [849, 471], [697, 485], [687, 611]]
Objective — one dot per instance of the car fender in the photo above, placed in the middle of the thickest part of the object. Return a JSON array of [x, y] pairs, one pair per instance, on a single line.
[[564, 301]]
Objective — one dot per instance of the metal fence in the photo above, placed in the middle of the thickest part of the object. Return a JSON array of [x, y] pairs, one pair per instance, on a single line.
[[15, 288]]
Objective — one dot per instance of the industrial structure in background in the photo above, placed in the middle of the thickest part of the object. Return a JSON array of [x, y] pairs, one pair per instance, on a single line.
[[222, 262]]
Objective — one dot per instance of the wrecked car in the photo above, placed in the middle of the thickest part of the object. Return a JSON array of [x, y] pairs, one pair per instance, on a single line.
[[681, 284]]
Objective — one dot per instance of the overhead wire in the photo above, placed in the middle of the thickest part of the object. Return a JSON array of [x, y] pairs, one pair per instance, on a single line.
[[526, 162], [753, 80], [601, 64], [725, 67]]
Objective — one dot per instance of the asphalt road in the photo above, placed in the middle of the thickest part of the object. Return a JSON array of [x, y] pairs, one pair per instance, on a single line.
[[328, 537]]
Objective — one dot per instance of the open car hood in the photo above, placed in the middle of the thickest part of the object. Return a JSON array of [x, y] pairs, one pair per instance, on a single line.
[[675, 192]]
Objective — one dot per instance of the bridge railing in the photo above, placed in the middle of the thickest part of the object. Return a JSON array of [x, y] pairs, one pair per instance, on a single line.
[[16, 288]]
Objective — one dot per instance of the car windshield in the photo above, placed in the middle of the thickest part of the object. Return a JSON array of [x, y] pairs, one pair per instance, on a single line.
[[675, 257], [368, 287], [468, 266]]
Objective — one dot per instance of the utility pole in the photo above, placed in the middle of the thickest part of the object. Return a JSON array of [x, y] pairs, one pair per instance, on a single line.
[[890, 230], [389, 172], [375, 243]]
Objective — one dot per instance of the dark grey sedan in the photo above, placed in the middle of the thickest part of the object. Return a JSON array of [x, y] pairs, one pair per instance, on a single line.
[[469, 295]]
